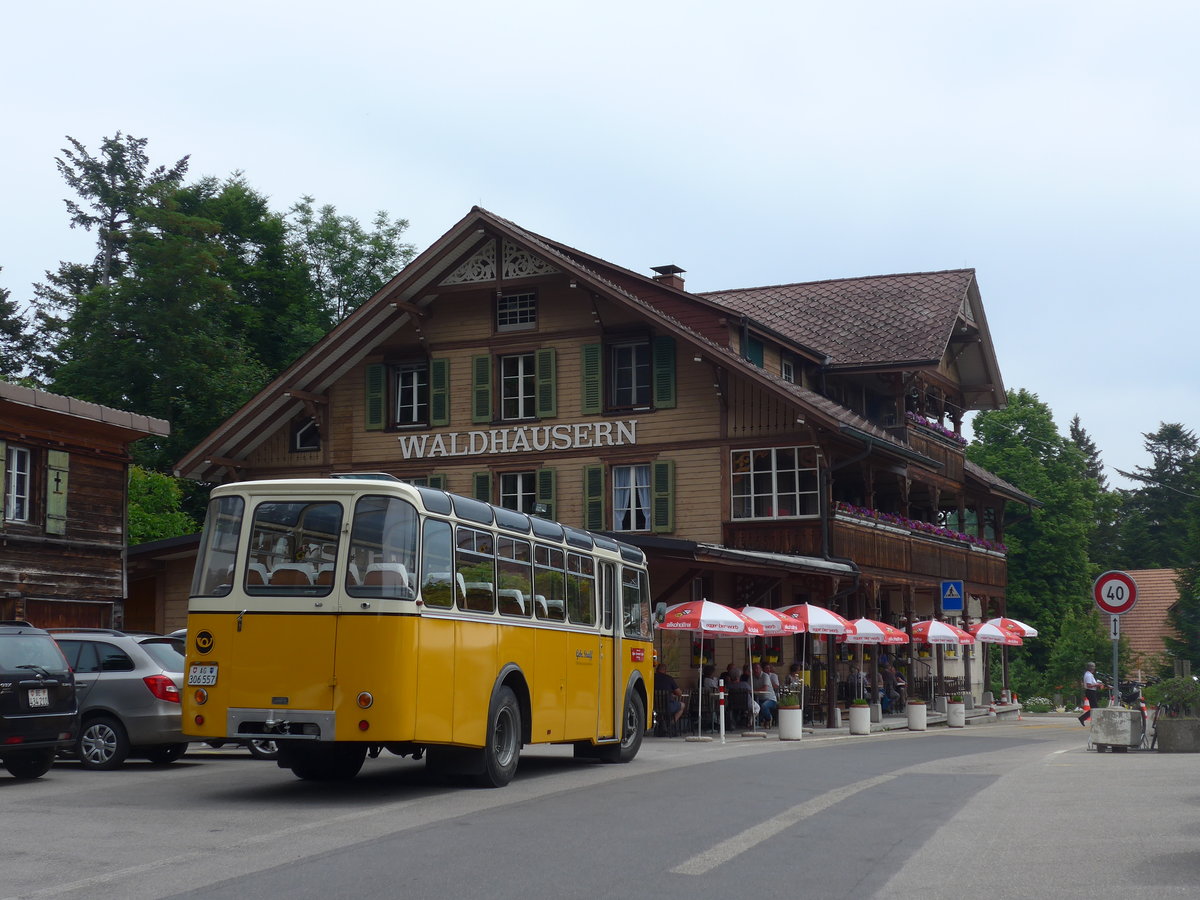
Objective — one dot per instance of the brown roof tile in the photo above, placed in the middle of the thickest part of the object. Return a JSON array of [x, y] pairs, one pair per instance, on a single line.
[[883, 319], [1145, 625]]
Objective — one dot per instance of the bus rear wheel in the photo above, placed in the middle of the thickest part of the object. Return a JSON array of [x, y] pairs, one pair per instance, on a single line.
[[502, 750], [324, 761]]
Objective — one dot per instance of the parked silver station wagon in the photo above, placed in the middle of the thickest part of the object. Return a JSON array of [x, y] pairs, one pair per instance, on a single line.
[[128, 687]]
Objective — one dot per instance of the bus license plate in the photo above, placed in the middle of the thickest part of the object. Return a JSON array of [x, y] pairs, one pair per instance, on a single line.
[[39, 697], [202, 676]]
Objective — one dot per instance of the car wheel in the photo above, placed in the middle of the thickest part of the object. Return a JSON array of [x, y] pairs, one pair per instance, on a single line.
[[263, 749], [103, 744], [165, 753], [29, 763]]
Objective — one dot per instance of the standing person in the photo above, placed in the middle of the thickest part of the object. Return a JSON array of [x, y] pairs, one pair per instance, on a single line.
[[1091, 690]]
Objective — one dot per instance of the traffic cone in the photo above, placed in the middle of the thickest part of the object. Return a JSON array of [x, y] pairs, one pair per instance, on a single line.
[[1087, 710], [992, 709]]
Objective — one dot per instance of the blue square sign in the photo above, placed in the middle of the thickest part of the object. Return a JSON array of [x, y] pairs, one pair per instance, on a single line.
[[952, 596]]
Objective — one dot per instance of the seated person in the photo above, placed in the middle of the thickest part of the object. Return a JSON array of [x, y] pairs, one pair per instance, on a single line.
[[665, 684]]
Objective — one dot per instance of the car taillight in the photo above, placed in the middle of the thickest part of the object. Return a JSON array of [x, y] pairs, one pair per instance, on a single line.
[[162, 687]]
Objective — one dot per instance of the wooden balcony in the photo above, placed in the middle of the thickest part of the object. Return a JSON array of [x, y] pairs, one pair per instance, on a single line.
[[936, 446], [874, 547]]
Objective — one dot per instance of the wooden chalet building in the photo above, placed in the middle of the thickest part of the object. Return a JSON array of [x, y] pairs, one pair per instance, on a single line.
[[765, 446], [63, 532]]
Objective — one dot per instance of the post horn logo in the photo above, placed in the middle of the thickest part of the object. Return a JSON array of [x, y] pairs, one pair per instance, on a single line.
[[204, 642]]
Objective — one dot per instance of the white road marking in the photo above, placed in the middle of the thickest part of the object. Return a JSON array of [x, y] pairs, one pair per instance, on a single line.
[[751, 837]]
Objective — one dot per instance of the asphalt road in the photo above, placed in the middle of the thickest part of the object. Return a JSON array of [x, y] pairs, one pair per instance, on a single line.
[[1018, 809]]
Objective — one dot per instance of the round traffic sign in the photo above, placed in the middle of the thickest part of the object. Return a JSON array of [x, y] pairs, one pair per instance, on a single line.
[[1115, 592]]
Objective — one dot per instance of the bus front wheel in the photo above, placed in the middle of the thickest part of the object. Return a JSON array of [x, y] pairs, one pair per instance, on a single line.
[[502, 751], [633, 726]]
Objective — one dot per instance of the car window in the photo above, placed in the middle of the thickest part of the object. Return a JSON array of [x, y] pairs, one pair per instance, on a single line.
[[167, 652], [37, 650], [114, 659], [81, 655]]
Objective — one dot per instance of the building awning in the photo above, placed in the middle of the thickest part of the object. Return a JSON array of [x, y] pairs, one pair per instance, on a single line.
[[726, 557]]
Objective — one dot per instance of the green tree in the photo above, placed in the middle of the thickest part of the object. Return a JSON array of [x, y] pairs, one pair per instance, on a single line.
[[274, 307], [1049, 573], [346, 262], [155, 509], [1156, 516], [16, 339], [1104, 547]]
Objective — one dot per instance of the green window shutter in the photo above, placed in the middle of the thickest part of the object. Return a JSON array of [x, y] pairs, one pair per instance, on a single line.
[[482, 486], [754, 351], [593, 498], [664, 372], [58, 463], [437, 481], [592, 377], [547, 383], [375, 391], [439, 392], [662, 501], [546, 486], [481, 389]]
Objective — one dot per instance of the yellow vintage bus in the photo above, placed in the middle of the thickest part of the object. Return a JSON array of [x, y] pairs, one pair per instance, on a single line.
[[343, 616]]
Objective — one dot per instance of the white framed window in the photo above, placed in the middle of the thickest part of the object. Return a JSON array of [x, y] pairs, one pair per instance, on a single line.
[[774, 482], [516, 312], [412, 395], [16, 485], [629, 385], [631, 498], [518, 386], [787, 368], [518, 490], [306, 437]]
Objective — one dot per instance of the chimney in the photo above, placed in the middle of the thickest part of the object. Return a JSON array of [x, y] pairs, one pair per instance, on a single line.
[[671, 276]]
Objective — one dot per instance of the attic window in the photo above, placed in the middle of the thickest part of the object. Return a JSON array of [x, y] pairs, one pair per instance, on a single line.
[[516, 312], [787, 368], [306, 437]]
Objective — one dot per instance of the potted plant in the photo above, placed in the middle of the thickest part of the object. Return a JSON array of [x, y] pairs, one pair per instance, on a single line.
[[860, 716], [918, 715], [791, 712], [1177, 722], [956, 711]]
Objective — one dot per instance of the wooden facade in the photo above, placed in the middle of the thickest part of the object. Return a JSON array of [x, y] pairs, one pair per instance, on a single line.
[[62, 536], [505, 366]]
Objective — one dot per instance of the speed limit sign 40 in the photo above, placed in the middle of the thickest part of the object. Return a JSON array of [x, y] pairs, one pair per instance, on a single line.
[[1115, 593]]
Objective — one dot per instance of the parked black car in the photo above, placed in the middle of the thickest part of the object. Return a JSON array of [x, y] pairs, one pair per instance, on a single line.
[[39, 712]]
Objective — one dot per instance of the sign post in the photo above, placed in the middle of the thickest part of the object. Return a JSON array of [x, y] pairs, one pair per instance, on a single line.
[[1115, 593]]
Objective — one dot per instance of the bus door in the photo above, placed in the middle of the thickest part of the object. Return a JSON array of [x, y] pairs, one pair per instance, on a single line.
[[609, 690], [281, 645]]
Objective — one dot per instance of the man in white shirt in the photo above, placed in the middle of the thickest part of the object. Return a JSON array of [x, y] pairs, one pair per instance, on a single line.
[[1091, 690]]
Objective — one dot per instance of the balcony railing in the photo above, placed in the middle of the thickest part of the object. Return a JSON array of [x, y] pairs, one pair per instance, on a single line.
[[874, 545]]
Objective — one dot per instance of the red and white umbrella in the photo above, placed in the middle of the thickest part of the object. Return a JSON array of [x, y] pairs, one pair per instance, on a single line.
[[708, 617], [1020, 629], [868, 631], [773, 621], [816, 619], [991, 633], [935, 632]]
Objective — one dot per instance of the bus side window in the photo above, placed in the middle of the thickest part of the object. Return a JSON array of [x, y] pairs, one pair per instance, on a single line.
[[437, 566]]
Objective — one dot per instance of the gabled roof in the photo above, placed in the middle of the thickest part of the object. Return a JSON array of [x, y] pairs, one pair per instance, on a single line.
[[414, 287], [124, 425], [883, 322]]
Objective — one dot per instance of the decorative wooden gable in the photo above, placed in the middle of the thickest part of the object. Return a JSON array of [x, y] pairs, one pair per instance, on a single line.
[[515, 262]]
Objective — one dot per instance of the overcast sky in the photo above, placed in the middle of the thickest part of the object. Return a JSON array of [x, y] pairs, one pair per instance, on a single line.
[[1051, 146]]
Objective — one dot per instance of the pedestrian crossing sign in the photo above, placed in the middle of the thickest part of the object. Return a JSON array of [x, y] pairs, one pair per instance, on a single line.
[[952, 596]]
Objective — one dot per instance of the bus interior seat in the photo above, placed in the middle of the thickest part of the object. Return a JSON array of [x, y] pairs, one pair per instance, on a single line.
[[512, 602], [256, 573], [392, 574], [292, 574], [539, 604]]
